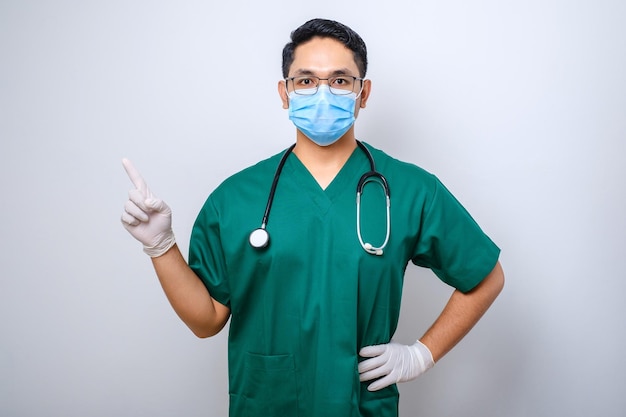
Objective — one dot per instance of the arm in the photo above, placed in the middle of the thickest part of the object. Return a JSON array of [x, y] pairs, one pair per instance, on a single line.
[[188, 295], [149, 220], [461, 313], [393, 362]]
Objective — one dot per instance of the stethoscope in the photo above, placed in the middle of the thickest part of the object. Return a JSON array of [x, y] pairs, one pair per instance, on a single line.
[[260, 238]]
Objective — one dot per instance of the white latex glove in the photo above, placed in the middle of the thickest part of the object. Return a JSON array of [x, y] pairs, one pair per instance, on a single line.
[[393, 363], [146, 217]]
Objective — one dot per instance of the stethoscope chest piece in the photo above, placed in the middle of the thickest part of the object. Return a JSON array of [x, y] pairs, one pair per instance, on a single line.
[[259, 238]]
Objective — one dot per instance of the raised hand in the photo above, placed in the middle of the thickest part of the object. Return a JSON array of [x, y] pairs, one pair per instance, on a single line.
[[146, 217]]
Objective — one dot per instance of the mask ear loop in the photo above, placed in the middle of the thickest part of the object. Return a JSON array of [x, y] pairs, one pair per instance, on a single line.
[[361, 89]]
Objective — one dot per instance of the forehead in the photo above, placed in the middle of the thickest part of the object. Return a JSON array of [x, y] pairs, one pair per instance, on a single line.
[[322, 56]]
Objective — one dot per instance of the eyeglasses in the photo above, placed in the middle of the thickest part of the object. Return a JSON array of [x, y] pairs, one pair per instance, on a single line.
[[340, 85]]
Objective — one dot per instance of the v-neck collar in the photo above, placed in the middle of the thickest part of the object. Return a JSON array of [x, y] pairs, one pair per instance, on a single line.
[[342, 182]]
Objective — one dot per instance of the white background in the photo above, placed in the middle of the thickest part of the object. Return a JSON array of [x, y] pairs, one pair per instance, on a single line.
[[519, 107]]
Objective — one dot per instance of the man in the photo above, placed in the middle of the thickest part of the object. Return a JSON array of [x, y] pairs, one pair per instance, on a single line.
[[313, 309]]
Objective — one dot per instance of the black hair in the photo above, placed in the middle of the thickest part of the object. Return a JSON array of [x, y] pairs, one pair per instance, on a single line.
[[325, 28]]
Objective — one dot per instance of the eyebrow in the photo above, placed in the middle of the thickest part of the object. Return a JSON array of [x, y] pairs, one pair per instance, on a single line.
[[340, 71]]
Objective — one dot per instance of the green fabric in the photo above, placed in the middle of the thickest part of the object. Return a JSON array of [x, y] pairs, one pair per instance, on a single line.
[[303, 307]]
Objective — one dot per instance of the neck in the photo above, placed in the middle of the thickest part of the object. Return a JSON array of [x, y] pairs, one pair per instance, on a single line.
[[324, 162]]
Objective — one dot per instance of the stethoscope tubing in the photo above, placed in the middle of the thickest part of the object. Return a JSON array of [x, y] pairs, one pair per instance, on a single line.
[[270, 198], [259, 238]]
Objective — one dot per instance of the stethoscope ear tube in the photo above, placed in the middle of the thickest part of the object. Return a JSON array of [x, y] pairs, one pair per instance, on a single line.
[[371, 177]]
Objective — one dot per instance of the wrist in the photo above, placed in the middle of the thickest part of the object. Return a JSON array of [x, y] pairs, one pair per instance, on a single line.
[[424, 356], [164, 244]]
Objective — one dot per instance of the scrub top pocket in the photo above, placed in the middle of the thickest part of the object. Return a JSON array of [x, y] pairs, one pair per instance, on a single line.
[[271, 389]]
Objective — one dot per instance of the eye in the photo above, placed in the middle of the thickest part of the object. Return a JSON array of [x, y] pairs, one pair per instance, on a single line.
[[342, 82], [304, 81]]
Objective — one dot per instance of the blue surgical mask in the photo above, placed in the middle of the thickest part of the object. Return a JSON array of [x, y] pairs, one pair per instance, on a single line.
[[323, 117]]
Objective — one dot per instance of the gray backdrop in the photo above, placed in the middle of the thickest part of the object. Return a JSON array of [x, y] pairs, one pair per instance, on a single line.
[[519, 107]]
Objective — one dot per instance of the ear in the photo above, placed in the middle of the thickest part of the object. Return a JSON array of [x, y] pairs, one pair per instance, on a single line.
[[282, 92], [365, 93]]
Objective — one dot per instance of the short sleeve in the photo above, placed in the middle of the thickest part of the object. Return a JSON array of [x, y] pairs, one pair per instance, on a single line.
[[206, 256], [452, 244]]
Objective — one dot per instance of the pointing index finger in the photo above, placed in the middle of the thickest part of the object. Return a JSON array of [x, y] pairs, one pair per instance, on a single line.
[[134, 175]]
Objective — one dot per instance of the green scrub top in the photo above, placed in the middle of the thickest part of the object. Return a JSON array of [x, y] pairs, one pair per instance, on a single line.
[[302, 308]]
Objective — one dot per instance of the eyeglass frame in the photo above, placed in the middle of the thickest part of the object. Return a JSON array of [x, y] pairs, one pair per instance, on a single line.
[[329, 87]]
